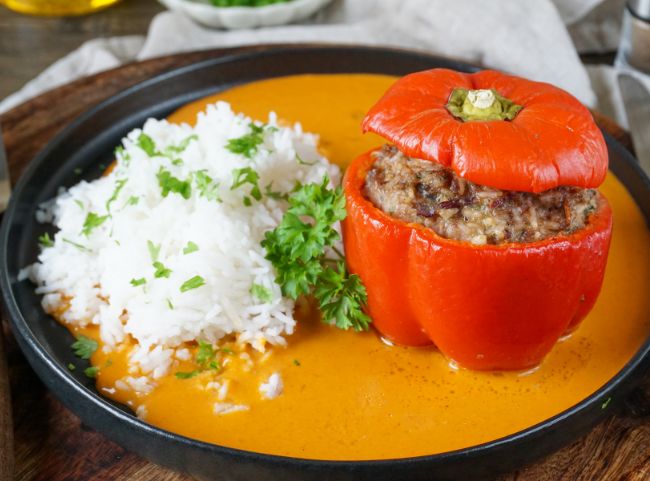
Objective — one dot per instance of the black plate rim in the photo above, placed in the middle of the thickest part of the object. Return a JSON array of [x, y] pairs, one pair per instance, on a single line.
[[27, 339]]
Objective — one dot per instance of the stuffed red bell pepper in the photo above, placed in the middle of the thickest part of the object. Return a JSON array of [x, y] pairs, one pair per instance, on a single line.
[[479, 229]]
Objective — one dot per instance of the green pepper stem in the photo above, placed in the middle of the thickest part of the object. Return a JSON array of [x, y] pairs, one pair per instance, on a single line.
[[481, 105]]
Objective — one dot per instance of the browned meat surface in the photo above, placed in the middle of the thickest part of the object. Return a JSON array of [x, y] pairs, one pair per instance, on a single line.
[[427, 193]]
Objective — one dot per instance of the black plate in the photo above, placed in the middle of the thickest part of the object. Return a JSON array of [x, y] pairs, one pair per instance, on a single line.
[[87, 145]]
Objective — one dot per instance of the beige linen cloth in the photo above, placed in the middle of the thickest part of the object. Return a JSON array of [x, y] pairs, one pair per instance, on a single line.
[[532, 38]]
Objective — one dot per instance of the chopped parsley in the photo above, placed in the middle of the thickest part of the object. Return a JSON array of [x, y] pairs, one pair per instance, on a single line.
[[606, 403], [247, 175], [192, 283], [154, 250], [298, 248], [206, 358], [79, 203], [207, 187], [133, 200], [168, 183], [75, 244], [119, 185], [84, 347], [296, 362], [92, 221], [138, 282], [304, 162], [269, 192], [247, 145], [147, 144], [45, 240], [121, 154], [205, 353], [177, 149], [190, 247], [91, 372], [161, 270], [262, 293], [71, 367], [169, 304]]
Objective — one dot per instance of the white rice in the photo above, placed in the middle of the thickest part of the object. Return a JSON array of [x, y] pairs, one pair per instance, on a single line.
[[94, 272], [273, 387]]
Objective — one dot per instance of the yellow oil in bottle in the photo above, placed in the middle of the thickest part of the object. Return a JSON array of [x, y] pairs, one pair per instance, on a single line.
[[57, 7]]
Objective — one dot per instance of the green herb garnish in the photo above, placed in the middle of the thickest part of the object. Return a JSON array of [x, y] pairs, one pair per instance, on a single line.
[[298, 248], [92, 221], [138, 282], [169, 304], [205, 353], [248, 144], [192, 283], [119, 185], [190, 247], [262, 293], [71, 367], [177, 149], [45, 240], [84, 347], [123, 154], [207, 187], [168, 183], [154, 250], [91, 372], [296, 362], [247, 175], [269, 192], [304, 162], [206, 358], [161, 270], [147, 144], [77, 245]]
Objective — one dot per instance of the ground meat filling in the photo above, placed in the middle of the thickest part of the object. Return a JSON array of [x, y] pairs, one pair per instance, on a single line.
[[427, 193]]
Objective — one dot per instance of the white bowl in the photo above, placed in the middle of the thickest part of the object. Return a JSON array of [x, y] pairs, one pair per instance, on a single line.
[[245, 17]]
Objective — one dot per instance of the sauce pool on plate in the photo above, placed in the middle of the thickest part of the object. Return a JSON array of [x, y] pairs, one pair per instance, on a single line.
[[349, 396]]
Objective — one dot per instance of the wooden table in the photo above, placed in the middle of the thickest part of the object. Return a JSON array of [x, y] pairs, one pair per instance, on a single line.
[[29, 44], [51, 443]]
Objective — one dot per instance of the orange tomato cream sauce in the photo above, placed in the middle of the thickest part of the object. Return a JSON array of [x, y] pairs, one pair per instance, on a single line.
[[350, 396]]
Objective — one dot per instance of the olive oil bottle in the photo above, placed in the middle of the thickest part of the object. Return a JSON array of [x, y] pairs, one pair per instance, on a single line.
[[57, 7]]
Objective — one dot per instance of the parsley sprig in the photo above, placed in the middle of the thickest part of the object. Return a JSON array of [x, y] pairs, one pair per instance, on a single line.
[[298, 249]]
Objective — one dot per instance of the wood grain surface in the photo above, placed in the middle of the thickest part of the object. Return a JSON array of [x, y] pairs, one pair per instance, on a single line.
[[6, 421], [29, 44], [51, 444]]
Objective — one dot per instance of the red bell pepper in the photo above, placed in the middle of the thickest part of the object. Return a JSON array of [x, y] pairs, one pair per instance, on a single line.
[[484, 306]]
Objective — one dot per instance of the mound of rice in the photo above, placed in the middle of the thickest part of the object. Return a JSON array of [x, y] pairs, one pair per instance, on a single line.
[[167, 267]]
